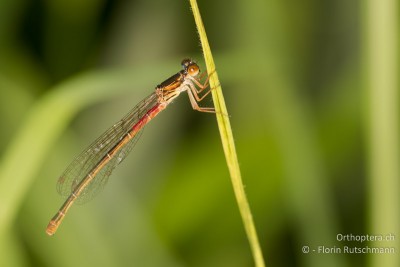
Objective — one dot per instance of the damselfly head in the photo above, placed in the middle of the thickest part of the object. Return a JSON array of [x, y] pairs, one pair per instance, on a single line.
[[186, 62], [190, 67]]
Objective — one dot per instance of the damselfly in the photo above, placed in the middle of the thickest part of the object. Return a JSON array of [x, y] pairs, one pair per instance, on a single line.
[[88, 173]]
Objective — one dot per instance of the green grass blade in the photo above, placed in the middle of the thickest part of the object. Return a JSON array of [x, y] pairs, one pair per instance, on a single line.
[[382, 29], [227, 140]]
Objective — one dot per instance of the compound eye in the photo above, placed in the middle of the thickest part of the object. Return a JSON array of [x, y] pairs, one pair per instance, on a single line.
[[193, 69], [186, 62]]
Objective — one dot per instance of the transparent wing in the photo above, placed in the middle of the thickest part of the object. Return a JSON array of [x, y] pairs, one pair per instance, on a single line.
[[81, 166]]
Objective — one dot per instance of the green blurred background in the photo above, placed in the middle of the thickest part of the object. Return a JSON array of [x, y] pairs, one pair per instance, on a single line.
[[311, 88]]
